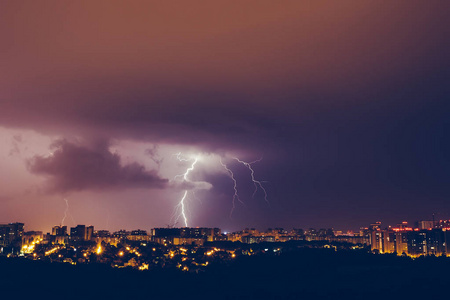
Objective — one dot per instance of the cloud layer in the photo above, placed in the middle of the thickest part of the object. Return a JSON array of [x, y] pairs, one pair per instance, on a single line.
[[74, 168]]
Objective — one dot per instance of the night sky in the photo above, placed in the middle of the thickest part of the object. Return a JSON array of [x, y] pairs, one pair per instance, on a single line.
[[344, 103]]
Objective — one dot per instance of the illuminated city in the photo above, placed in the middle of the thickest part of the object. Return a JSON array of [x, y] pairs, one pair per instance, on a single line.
[[192, 249]]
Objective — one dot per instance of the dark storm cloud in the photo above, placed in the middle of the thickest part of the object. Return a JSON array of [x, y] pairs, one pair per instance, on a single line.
[[72, 167], [224, 75]]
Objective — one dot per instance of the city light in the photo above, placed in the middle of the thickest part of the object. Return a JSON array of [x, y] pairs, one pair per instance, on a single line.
[[181, 246]]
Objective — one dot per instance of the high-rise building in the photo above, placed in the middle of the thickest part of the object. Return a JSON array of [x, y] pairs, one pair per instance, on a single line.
[[376, 241], [389, 241], [447, 241], [401, 242], [4, 235], [417, 243], [435, 242], [59, 230], [11, 237], [11, 233], [89, 233], [81, 233]]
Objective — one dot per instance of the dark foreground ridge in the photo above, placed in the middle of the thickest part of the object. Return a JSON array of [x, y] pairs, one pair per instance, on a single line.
[[299, 274]]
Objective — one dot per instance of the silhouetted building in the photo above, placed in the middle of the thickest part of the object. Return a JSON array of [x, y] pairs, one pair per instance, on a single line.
[[4, 235], [59, 230], [435, 242], [11, 234], [89, 233], [417, 243], [81, 233]]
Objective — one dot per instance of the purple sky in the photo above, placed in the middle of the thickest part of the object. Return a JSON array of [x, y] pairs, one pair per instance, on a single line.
[[346, 102]]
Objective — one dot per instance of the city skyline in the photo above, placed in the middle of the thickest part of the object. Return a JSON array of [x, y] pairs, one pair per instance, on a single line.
[[224, 114], [424, 223], [424, 238]]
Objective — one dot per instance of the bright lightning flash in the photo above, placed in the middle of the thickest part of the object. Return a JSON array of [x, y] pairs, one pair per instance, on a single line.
[[182, 204], [181, 208]]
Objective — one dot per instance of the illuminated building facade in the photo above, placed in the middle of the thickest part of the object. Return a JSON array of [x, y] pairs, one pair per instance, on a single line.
[[377, 241], [389, 241], [401, 242], [31, 237], [415, 242], [138, 235]]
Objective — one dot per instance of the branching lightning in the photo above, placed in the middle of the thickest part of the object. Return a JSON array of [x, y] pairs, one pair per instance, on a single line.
[[181, 209], [236, 195], [257, 183]]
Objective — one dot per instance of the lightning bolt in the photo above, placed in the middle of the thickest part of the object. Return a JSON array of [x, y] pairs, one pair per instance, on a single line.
[[182, 204], [181, 208], [66, 212], [257, 183], [183, 212], [235, 196]]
